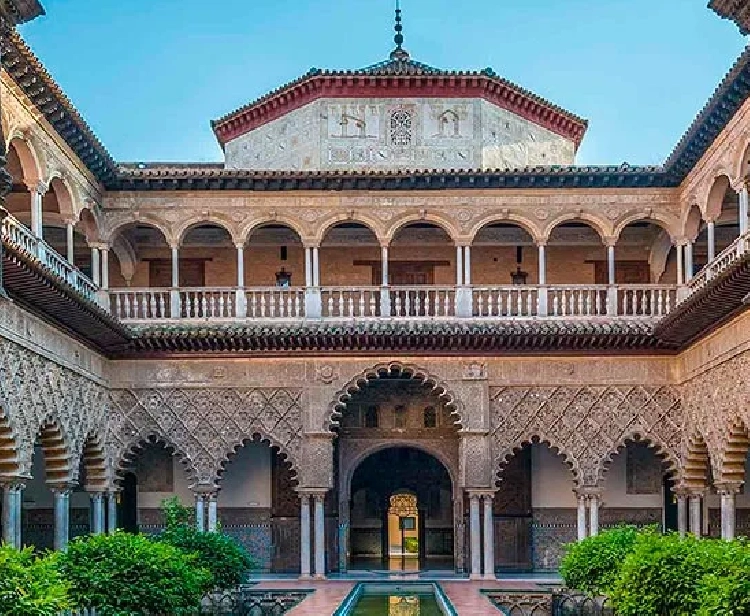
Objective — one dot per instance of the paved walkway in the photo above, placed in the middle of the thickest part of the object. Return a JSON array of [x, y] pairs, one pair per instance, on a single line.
[[468, 599], [327, 597]]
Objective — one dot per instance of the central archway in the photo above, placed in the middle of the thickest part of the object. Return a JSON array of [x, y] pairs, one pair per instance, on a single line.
[[401, 511]]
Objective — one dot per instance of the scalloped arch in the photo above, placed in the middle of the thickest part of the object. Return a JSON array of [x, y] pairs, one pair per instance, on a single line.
[[733, 455], [265, 439], [410, 371], [58, 460], [641, 435], [10, 465], [129, 451], [698, 463], [509, 452]]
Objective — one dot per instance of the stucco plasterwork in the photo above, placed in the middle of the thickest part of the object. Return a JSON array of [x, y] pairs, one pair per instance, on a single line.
[[395, 133]]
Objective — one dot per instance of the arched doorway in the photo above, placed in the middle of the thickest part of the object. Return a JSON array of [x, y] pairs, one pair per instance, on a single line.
[[401, 512]]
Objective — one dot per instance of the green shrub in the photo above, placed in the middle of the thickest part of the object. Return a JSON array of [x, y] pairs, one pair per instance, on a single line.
[[30, 585], [125, 575], [727, 592], [411, 545], [593, 564], [227, 561]]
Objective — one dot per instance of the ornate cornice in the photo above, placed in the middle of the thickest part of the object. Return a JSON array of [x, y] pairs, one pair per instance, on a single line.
[[736, 10]]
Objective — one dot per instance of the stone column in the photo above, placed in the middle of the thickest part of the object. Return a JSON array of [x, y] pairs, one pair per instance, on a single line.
[[304, 550], [542, 308], [37, 191], [308, 267], [611, 264], [711, 232], [175, 266], [200, 512], [174, 293], [467, 265], [476, 540], [111, 512], [728, 492], [581, 517], [688, 261], [743, 209], [95, 266], [316, 266], [104, 268], [594, 503], [384, 265], [682, 513], [70, 242], [459, 265], [213, 512], [320, 535], [62, 517], [385, 294], [97, 513], [12, 502], [612, 303], [695, 514], [489, 538], [240, 265], [680, 263]]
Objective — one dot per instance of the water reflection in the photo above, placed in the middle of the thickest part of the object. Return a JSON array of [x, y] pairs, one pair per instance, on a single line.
[[397, 605]]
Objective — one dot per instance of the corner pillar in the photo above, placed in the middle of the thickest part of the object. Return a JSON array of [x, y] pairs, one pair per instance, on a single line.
[[475, 536], [12, 506], [320, 535], [97, 513], [728, 491], [489, 537], [682, 511], [111, 512], [694, 501], [304, 519], [62, 517]]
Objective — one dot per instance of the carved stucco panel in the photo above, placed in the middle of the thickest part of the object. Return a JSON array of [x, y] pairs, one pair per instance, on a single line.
[[475, 461], [316, 461]]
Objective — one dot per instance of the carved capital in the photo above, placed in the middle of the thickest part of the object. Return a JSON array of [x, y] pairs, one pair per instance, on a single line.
[[728, 487]]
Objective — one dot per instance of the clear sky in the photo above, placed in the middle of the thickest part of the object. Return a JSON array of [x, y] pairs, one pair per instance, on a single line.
[[149, 75]]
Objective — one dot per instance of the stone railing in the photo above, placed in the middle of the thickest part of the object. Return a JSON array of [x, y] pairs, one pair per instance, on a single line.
[[735, 251], [24, 240]]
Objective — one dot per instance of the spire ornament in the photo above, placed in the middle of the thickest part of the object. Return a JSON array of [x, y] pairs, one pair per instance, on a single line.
[[399, 53]]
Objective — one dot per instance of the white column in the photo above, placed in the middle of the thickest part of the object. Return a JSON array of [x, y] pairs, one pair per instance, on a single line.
[[304, 520], [104, 269], [611, 264], [476, 540], [682, 517], [467, 265], [489, 538], [688, 261], [695, 514], [594, 502], [111, 512], [320, 535], [62, 518], [95, 266], [728, 511], [384, 267], [12, 499], [581, 518], [200, 513], [70, 243], [97, 513], [213, 513], [308, 267], [711, 232], [175, 266], [240, 266], [542, 264], [316, 266], [459, 265], [680, 263], [37, 192], [743, 194]]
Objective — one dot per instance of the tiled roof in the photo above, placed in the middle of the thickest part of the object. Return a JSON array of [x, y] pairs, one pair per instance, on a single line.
[[736, 10], [21, 11]]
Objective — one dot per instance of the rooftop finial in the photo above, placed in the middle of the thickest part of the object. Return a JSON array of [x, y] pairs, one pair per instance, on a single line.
[[399, 53]]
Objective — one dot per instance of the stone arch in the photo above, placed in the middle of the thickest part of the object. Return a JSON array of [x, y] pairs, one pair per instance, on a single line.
[[65, 194], [662, 451], [147, 221], [691, 222], [10, 465], [94, 462], [249, 228], [88, 224], [129, 452], [506, 453], [427, 217], [333, 221], [197, 221], [668, 224], [439, 387], [715, 197], [741, 165], [733, 456], [31, 161], [258, 436], [597, 224], [524, 223], [378, 446], [697, 466], [57, 454]]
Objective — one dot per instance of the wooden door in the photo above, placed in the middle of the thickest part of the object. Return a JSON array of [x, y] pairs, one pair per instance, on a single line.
[[192, 273], [626, 272]]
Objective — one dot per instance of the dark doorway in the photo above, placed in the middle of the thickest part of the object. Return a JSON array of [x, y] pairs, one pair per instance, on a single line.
[[670, 505], [127, 510], [384, 535]]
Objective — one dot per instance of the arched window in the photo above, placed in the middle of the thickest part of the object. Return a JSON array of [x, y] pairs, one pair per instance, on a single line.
[[399, 414], [371, 417], [430, 417], [401, 127]]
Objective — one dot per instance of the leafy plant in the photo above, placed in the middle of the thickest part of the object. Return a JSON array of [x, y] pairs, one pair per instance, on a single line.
[[593, 565], [411, 545], [125, 575], [30, 585], [227, 560]]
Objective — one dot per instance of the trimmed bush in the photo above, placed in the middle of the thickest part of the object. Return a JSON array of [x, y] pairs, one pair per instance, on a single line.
[[227, 560], [593, 565], [128, 575], [727, 592], [30, 585]]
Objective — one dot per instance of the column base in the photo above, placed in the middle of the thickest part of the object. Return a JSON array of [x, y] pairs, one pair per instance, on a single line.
[[489, 576], [319, 576], [476, 576], [305, 576]]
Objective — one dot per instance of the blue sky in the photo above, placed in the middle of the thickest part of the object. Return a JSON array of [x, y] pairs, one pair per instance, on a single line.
[[149, 75]]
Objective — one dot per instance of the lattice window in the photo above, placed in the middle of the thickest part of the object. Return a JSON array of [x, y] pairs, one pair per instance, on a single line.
[[401, 127], [399, 414], [371, 417]]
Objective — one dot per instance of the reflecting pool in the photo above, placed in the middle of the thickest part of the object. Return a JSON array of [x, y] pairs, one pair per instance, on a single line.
[[396, 599]]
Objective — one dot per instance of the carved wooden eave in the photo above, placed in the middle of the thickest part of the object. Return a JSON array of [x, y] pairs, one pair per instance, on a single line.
[[33, 286], [707, 309], [736, 10], [20, 11], [597, 336]]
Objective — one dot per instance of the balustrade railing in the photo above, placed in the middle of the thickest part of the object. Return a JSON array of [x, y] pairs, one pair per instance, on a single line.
[[140, 304], [275, 302], [505, 301], [645, 300], [735, 251], [20, 236], [423, 301], [208, 303], [577, 300], [350, 302]]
